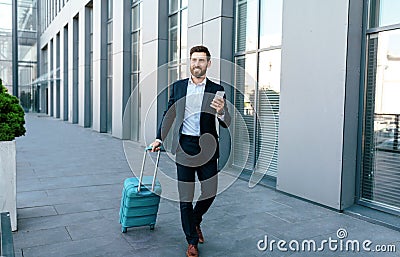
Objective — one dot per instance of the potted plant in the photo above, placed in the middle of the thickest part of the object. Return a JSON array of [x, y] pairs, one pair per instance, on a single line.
[[11, 126]]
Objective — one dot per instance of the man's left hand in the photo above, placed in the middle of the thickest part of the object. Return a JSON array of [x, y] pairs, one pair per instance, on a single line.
[[218, 104]]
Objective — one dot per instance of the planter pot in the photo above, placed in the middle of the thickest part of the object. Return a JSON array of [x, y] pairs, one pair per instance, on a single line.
[[8, 181]]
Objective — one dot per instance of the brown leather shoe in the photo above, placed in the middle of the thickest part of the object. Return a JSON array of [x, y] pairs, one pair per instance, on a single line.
[[192, 251], [201, 238]]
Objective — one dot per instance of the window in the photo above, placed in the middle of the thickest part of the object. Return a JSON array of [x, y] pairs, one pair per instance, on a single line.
[[177, 39], [75, 70], [136, 18], [383, 13], [380, 169], [109, 63], [6, 70], [257, 82], [88, 103], [44, 105]]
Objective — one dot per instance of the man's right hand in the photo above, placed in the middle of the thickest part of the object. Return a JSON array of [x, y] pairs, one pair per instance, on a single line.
[[155, 146]]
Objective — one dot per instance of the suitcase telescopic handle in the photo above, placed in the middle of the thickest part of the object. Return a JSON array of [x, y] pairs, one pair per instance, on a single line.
[[147, 149]]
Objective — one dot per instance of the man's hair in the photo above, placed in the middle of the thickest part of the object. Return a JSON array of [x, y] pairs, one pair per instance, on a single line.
[[200, 49]]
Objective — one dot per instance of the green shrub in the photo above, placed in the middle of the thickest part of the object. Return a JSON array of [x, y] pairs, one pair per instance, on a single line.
[[11, 116]]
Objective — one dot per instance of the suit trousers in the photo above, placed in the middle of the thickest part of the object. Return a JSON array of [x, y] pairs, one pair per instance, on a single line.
[[207, 174]]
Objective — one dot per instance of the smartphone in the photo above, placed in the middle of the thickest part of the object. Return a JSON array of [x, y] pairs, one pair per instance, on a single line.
[[220, 94]]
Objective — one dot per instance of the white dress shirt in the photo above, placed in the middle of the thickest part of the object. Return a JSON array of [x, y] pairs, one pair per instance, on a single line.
[[194, 100]]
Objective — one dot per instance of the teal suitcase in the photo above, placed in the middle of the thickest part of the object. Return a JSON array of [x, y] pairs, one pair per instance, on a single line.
[[140, 199]]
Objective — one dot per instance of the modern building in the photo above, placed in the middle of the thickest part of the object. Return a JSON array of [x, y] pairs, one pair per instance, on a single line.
[[313, 85]]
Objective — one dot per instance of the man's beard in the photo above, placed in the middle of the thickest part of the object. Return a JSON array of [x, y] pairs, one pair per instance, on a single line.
[[198, 74]]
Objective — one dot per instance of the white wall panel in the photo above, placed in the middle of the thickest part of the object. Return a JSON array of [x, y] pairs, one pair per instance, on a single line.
[[148, 89], [82, 48], [96, 64], [195, 12], [312, 99], [212, 40]]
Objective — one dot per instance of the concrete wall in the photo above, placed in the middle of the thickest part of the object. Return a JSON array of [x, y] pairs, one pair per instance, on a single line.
[[312, 105], [121, 60], [63, 74], [51, 76], [153, 77], [352, 105]]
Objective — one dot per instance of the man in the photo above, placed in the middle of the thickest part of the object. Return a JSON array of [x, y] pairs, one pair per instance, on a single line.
[[193, 105]]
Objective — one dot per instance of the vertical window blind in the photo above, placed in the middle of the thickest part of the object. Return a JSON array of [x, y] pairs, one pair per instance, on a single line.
[[381, 149]]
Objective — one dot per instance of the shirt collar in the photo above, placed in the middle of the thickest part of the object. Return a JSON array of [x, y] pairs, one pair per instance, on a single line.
[[203, 83]]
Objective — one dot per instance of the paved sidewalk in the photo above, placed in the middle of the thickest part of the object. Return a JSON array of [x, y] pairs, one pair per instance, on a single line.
[[69, 188]]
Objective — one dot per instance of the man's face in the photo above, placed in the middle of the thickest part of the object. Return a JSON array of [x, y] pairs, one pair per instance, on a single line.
[[199, 64]]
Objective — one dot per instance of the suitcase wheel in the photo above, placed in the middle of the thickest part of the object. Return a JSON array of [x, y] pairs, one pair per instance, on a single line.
[[123, 229], [152, 226]]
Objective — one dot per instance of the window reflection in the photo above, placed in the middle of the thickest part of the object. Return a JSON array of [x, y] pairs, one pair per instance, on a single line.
[[134, 100], [173, 5], [6, 44], [387, 73], [26, 15], [270, 70], [384, 13], [271, 23], [387, 92], [177, 39], [173, 38], [268, 110], [245, 82], [381, 150], [246, 25], [245, 75]]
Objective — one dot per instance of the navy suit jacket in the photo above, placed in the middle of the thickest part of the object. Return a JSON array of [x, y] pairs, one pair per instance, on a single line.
[[176, 111]]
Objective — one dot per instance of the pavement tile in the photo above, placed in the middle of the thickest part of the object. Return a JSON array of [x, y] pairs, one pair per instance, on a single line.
[[32, 199], [82, 180], [296, 214], [34, 212], [55, 221], [96, 246], [25, 239], [95, 228], [161, 236], [25, 173], [28, 185], [167, 206], [87, 206]]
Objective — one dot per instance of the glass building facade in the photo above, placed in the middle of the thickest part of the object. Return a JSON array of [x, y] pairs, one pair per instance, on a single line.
[[6, 43], [26, 12]]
